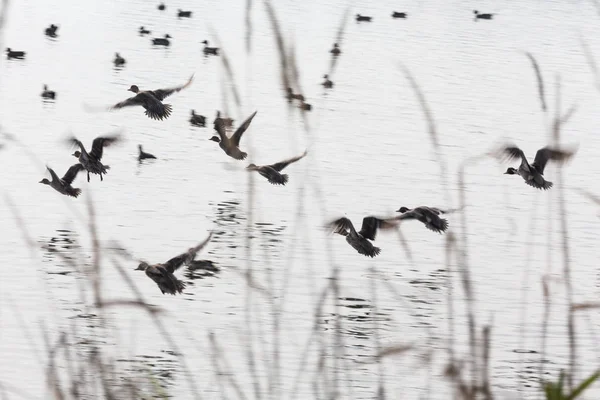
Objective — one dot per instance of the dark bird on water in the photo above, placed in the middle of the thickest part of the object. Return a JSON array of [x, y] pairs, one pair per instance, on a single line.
[[293, 96], [360, 240], [143, 31], [151, 100], [336, 50], [162, 41], [63, 185], [91, 161], [162, 274], [327, 83], [533, 174], [143, 155], [273, 172], [14, 54], [118, 61], [430, 216], [397, 14], [197, 119], [183, 14], [51, 31], [479, 15], [48, 94], [210, 50], [161, 6], [230, 145], [363, 18]]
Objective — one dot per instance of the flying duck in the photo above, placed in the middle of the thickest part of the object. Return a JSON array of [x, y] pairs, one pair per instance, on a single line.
[[210, 50], [143, 155], [430, 216], [162, 274], [151, 100], [162, 41], [63, 185], [118, 61], [360, 240], [48, 94], [533, 174], [482, 16], [197, 119], [230, 145], [273, 172], [364, 18], [14, 54], [328, 84], [91, 161]]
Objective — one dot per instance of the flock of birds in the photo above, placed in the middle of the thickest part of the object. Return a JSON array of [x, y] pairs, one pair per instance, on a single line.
[[152, 102]]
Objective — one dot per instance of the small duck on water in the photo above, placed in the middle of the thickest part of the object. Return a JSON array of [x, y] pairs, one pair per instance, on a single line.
[[430, 216], [19, 55], [210, 50], [91, 161], [293, 96], [151, 100], [48, 94], [327, 83], [397, 14], [230, 145], [51, 31], [273, 172], [143, 31], [363, 18], [336, 50], [63, 185], [163, 274], [479, 15], [197, 119], [143, 155], [161, 7], [118, 61], [533, 174], [162, 41], [184, 14]]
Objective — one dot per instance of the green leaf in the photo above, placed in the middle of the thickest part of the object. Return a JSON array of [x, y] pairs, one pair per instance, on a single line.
[[583, 385]]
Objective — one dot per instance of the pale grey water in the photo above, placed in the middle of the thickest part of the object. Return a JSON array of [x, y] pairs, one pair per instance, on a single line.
[[369, 152]]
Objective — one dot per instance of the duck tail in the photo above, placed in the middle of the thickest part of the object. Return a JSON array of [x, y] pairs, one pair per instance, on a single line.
[[74, 192], [547, 185], [180, 285]]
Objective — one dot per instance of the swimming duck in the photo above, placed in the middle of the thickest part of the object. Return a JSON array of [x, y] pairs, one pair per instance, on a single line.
[[143, 31], [183, 14], [364, 18], [151, 100], [210, 50], [48, 94], [336, 50], [292, 96], [197, 119], [14, 54], [533, 174], [162, 274], [430, 216], [161, 6], [328, 84], [230, 145], [273, 172], [91, 161], [305, 106], [162, 41], [63, 185], [118, 60], [397, 14], [227, 121], [482, 16], [51, 31], [360, 240], [143, 155]]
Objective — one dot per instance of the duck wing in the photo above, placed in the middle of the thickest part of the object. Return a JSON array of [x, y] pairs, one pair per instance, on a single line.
[[99, 143], [136, 100], [512, 152], [161, 94], [282, 164], [548, 153], [237, 136], [185, 258], [342, 226], [410, 214], [71, 173], [53, 175], [221, 130]]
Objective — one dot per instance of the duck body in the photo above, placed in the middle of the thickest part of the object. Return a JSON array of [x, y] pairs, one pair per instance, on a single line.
[[429, 216], [151, 100], [482, 15], [48, 94], [162, 41], [397, 14], [230, 145], [336, 50], [533, 174], [91, 161], [363, 18], [327, 84], [197, 119], [163, 274], [118, 61], [273, 172], [14, 54], [184, 14], [51, 31], [64, 185], [361, 240], [142, 155], [210, 50]]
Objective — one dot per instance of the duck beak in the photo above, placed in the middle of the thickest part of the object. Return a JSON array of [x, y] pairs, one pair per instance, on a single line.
[[42, 181], [74, 154]]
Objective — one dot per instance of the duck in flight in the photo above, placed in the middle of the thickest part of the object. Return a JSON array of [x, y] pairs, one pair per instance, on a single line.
[[163, 274], [230, 145], [533, 174], [430, 216], [360, 240], [91, 161], [273, 172], [151, 100], [63, 185]]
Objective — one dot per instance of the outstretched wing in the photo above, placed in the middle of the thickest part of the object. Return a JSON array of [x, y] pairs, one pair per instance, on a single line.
[[186, 257], [55, 177], [161, 94], [372, 224], [221, 130], [136, 100], [100, 142], [282, 164], [512, 152], [341, 226], [412, 214], [72, 173], [237, 136], [548, 153]]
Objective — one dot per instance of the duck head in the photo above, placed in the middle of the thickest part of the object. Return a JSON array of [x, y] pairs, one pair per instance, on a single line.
[[326, 76], [475, 12], [335, 45], [215, 139], [167, 36], [205, 42], [511, 171], [45, 181], [45, 87], [76, 154], [8, 49], [134, 89], [142, 267], [140, 147], [252, 167], [403, 209]]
